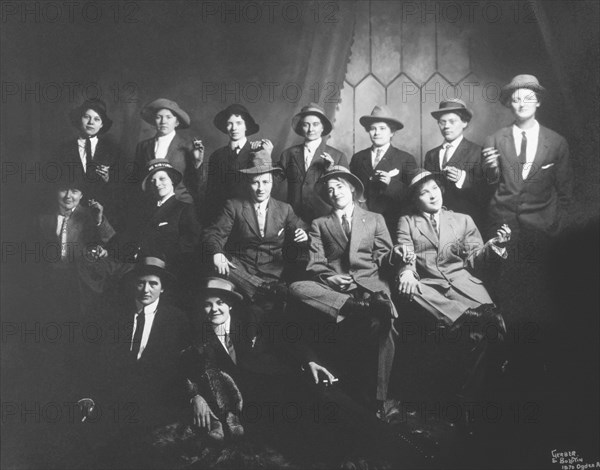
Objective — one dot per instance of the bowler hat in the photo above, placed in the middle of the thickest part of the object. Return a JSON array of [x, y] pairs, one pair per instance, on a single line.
[[154, 265], [95, 104], [453, 105], [161, 164], [261, 163], [149, 111], [221, 118], [219, 287], [338, 171], [314, 110], [381, 113], [520, 81]]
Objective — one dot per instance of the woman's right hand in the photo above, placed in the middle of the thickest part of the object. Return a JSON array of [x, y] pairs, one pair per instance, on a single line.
[[408, 285], [222, 264], [202, 412]]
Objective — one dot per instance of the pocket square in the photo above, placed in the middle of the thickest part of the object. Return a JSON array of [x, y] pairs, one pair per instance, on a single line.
[[547, 166], [394, 172], [163, 223]]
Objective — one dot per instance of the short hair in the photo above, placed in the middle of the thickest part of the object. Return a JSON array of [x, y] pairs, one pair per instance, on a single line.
[[347, 183]]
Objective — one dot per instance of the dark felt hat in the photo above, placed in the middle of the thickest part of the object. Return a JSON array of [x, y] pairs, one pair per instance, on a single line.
[[161, 164], [95, 104], [453, 105], [381, 113], [520, 81], [149, 111], [314, 110], [338, 171], [221, 118], [261, 163], [219, 287]]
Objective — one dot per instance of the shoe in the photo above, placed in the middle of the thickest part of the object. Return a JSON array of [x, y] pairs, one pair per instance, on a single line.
[[216, 430], [233, 425]]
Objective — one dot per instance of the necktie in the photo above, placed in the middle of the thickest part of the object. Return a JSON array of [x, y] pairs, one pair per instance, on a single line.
[[434, 224], [346, 225], [446, 155], [261, 216], [64, 251], [88, 156], [378, 156], [230, 349], [137, 336], [523, 154], [307, 157], [236, 150]]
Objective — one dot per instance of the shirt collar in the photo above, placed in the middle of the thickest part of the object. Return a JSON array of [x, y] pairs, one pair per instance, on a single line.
[[82, 140], [313, 144], [384, 148], [148, 309], [223, 328], [455, 143], [239, 143], [348, 210], [167, 137], [533, 131], [262, 205], [160, 203], [428, 215]]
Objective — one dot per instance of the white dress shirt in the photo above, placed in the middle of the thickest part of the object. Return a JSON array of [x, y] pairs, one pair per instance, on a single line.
[[162, 201], [310, 147], [238, 144], [149, 315], [161, 147], [261, 215], [222, 330], [533, 136], [81, 146]]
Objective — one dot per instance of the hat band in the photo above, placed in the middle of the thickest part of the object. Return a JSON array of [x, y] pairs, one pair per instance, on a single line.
[[153, 261], [419, 177]]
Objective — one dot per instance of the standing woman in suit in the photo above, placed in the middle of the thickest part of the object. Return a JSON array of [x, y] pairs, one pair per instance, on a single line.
[[458, 161], [382, 168], [305, 163], [528, 165], [93, 158], [187, 158]]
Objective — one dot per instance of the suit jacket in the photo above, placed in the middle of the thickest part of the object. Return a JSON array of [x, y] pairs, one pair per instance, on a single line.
[[236, 233], [171, 229], [387, 200], [473, 197], [300, 182], [540, 202], [152, 379], [450, 259], [365, 257], [106, 153], [179, 154], [82, 231], [224, 180]]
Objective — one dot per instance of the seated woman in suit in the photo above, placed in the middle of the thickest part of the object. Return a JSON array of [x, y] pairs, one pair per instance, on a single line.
[[442, 251], [168, 225]]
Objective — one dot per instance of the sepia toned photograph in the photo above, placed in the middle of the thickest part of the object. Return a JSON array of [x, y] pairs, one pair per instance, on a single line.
[[300, 234]]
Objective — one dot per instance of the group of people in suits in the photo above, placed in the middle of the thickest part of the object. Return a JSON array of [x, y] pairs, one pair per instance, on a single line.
[[353, 246]]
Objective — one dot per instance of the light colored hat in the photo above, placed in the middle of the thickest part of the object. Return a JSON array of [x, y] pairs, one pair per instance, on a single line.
[[149, 111], [219, 286], [338, 171], [315, 110], [381, 113], [161, 164], [520, 81]]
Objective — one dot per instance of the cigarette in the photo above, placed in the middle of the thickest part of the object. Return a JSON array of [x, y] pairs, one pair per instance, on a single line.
[[335, 379], [280, 232]]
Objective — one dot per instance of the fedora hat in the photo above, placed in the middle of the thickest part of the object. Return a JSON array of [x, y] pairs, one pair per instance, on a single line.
[[520, 81], [420, 176], [219, 287], [97, 105], [149, 111], [159, 164], [312, 109], [338, 171], [453, 105], [221, 118], [261, 163], [154, 265], [380, 113]]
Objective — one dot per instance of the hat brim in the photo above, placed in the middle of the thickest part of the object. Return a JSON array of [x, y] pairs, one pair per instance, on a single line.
[[260, 170], [76, 113], [435, 176], [321, 185], [463, 112], [220, 121], [224, 294], [297, 119], [148, 114], [367, 121], [175, 176], [507, 91]]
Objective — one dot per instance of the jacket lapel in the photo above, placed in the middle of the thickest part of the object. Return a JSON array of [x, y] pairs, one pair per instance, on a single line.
[[508, 146], [249, 215], [271, 221], [298, 157], [426, 229], [335, 230], [358, 229], [459, 153], [447, 228], [542, 150]]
